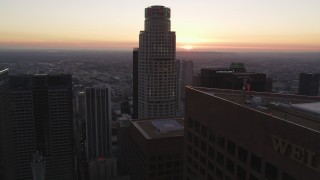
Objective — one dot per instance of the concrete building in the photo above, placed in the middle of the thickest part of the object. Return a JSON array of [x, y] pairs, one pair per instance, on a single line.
[[157, 83], [309, 84], [155, 149], [239, 135], [42, 119]]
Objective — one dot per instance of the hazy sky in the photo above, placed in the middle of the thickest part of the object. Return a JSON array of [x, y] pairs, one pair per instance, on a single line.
[[226, 25]]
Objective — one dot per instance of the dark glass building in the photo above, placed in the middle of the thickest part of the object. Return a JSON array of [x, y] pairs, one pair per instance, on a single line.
[[41, 115], [309, 84]]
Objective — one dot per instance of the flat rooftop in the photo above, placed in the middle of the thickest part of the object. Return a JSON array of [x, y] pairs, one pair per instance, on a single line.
[[301, 110], [160, 128]]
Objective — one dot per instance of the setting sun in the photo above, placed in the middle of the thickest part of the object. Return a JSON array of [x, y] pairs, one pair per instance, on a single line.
[[187, 47]]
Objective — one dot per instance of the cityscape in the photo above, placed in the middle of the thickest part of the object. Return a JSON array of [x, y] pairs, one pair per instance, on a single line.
[[159, 110]]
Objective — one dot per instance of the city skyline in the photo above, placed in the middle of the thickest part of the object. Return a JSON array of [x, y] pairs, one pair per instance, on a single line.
[[207, 26]]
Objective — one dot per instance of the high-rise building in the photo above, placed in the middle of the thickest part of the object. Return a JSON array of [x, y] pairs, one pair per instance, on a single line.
[[155, 149], [98, 118], [41, 112], [185, 79], [157, 83], [309, 84], [135, 81], [5, 123], [230, 134]]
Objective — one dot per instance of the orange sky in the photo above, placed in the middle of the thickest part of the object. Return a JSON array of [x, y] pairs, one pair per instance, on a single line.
[[233, 25]]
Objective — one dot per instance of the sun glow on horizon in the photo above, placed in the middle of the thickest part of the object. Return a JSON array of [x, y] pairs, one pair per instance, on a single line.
[[187, 47]]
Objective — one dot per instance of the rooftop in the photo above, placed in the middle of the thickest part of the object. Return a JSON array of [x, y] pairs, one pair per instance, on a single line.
[[160, 128], [301, 110]]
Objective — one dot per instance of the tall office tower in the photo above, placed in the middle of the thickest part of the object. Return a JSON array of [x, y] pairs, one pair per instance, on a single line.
[[41, 110], [5, 140], [262, 136], [98, 117], [309, 84], [186, 79], [155, 149], [156, 65], [135, 83]]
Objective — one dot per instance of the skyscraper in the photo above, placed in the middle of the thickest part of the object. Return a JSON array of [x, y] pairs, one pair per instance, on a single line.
[[41, 112], [185, 79], [98, 118], [5, 139], [157, 85], [135, 81], [309, 84]]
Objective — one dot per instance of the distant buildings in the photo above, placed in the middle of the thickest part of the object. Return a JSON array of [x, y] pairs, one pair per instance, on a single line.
[[235, 77], [234, 135], [155, 149], [157, 83], [41, 119], [309, 84]]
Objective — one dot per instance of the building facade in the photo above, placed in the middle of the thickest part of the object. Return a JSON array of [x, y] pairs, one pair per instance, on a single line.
[[41, 115], [155, 149], [157, 83], [235, 77], [98, 118], [185, 79], [5, 123], [309, 84], [251, 136]]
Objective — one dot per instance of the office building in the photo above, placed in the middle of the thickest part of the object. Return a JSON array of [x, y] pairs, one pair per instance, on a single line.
[[185, 79], [98, 118], [157, 83], [156, 149], [309, 84], [235, 77], [5, 123], [135, 92], [41, 115], [251, 136]]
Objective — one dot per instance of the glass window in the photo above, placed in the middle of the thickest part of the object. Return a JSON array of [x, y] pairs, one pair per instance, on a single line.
[[252, 177], [220, 158], [255, 163], [286, 176], [230, 165], [219, 173], [204, 131], [221, 142], [241, 173], [231, 148], [242, 154], [271, 171]]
